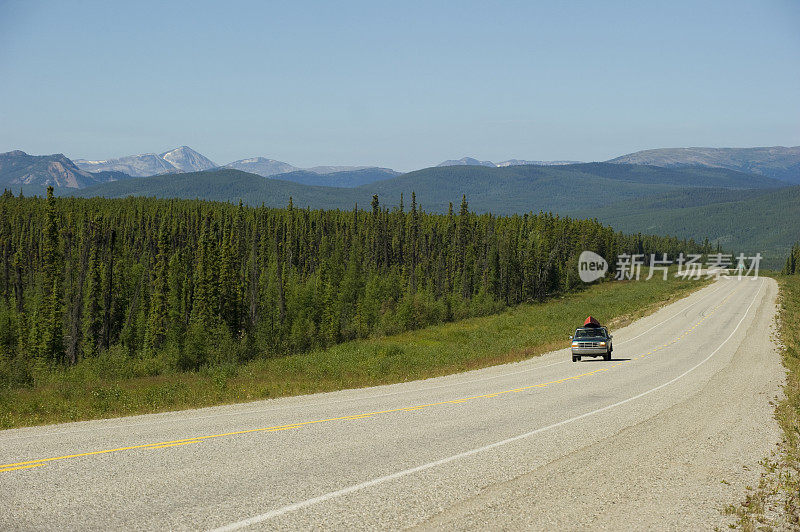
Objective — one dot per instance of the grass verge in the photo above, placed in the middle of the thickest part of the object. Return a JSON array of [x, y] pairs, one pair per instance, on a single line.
[[775, 503], [102, 387]]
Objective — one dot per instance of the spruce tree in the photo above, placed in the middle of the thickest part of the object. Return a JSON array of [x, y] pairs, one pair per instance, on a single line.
[[109, 286], [158, 312], [230, 286], [92, 310], [412, 242], [52, 339]]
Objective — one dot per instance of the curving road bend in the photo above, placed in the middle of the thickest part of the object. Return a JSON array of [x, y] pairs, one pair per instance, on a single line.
[[660, 437]]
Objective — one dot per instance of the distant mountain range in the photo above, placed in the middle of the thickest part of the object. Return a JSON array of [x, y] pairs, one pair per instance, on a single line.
[[182, 159], [777, 161], [469, 161], [270, 167], [262, 166], [36, 171], [334, 169], [17, 168]]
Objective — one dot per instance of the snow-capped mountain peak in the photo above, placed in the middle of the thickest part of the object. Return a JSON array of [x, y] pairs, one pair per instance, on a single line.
[[186, 159], [469, 161], [181, 159], [262, 166], [466, 161]]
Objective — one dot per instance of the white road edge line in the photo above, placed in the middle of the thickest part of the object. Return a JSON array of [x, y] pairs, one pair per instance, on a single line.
[[399, 474], [326, 403]]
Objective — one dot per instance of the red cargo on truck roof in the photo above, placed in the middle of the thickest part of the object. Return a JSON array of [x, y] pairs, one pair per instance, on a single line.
[[591, 322]]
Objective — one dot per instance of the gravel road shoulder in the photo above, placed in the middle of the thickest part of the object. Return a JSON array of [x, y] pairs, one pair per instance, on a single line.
[[676, 470]]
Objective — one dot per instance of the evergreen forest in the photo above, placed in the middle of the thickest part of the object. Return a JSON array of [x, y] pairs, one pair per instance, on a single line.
[[194, 283]]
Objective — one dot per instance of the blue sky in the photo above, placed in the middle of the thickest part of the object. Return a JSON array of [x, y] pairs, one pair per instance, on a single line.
[[400, 84]]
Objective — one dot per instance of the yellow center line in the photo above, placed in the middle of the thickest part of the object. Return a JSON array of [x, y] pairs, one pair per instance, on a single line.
[[173, 443], [20, 467]]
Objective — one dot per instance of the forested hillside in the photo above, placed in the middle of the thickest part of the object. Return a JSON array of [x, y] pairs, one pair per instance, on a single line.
[[343, 179], [508, 190], [194, 283], [764, 221]]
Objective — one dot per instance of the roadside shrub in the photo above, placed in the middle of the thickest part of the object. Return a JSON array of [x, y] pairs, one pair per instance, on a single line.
[[193, 354], [247, 349], [112, 364], [14, 371], [162, 362], [207, 345]]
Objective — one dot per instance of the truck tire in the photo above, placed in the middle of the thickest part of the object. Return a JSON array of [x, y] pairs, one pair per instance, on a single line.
[[575, 358], [607, 356]]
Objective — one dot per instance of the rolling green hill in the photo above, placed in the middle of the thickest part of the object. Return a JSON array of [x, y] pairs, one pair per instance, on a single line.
[[517, 189], [343, 179], [507, 190], [766, 221], [230, 185]]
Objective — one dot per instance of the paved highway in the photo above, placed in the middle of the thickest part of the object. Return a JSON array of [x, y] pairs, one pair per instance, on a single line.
[[660, 437]]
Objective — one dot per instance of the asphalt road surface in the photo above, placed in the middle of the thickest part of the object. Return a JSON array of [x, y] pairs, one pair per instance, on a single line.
[[661, 437]]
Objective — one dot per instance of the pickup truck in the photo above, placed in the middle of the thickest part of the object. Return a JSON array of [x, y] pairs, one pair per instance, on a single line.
[[591, 340]]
